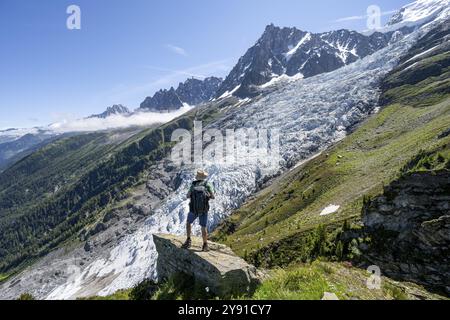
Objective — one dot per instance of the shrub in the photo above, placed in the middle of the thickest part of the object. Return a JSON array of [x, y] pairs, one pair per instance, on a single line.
[[353, 250], [339, 252], [321, 246], [181, 286], [26, 296], [395, 292], [144, 290]]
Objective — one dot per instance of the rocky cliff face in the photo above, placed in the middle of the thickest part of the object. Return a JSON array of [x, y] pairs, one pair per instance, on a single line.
[[220, 270], [410, 229], [191, 92]]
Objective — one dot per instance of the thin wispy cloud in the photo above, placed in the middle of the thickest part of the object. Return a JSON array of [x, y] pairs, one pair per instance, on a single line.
[[177, 72], [163, 79], [177, 50], [363, 17], [170, 77]]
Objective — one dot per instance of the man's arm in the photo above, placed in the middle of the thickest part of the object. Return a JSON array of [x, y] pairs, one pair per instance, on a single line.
[[189, 193]]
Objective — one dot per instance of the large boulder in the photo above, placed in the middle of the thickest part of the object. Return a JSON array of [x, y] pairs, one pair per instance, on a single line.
[[220, 270]]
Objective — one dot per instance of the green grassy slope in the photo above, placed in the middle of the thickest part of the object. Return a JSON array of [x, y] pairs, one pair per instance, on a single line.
[[356, 168], [282, 223], [59, 163], [297, 282], [311, 281]]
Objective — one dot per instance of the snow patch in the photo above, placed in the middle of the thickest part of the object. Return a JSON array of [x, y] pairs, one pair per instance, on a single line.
[[291, 52], [229, 93], [329, 210], [422, 54], [282, 78], [344, 52]]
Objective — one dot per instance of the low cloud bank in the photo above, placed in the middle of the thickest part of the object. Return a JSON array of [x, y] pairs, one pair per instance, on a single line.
[[116, 121]]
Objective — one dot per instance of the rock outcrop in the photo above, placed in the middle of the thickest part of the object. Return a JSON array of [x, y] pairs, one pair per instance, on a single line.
[[220, 269], [410, 228]]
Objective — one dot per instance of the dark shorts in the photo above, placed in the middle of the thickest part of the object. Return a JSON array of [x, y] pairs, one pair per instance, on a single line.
[[203, 219]]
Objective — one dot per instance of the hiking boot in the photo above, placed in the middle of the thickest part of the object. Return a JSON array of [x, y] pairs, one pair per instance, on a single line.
[[205, 247], [187, 244]]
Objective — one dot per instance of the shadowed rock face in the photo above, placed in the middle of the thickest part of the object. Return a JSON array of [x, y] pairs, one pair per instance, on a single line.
[[410, 227], [220, 269]]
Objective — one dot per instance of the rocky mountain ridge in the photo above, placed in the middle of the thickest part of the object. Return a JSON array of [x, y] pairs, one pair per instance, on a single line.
[[191, 92], [295, 53], [114, 110]]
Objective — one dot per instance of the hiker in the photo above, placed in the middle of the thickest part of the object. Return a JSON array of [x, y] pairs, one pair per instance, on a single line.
[[199, 194]]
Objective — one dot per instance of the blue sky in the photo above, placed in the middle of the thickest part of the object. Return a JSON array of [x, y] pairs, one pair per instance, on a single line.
[[127, 50]]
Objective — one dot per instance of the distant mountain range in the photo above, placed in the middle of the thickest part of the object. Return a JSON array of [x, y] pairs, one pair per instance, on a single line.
[[191, 92], [114, 110]]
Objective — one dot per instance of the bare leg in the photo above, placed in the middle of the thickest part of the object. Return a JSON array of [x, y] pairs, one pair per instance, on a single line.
[[205, 235], [187, 244], [188, 230]]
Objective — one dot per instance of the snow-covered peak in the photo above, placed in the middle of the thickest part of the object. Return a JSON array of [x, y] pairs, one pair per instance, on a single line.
[[418, 12], [292, 52], [116, 109]]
